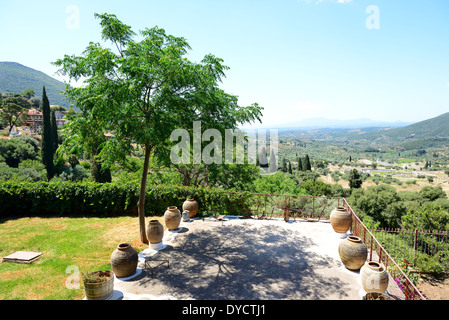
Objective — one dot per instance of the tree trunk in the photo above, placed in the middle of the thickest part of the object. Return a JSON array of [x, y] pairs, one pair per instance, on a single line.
[[141, 203]]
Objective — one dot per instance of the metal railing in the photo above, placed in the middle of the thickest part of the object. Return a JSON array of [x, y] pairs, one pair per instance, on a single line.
[[416, 246], [401, 287], [266, 206]]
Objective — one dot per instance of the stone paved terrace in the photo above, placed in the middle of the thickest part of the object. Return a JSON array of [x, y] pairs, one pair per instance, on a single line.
[[247, 259]]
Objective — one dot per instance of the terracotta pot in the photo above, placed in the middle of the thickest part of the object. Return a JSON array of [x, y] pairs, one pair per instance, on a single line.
[[191, 205], [124, 260], [100, 290], [353, 252], [341, 219], [155, 231], [374, 277], [172, 218]]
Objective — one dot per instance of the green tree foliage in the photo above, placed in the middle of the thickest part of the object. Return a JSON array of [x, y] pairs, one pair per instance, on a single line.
[[13, 151], [284, 165], [48, 145], [145, 89], [13, 110], [54, 130], [380, 203], [277, 183], [429, 193], [262, 157], [273, 162], [300, 167], [306, 165], [428, 217], [355, 179]]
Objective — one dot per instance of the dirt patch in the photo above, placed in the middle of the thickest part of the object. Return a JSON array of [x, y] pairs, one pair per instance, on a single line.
[[434, 287]]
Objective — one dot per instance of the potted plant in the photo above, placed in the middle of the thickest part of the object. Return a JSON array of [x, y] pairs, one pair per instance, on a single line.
[[98, 285]]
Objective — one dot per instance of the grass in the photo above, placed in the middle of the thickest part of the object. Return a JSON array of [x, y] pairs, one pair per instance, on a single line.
[[69, 245]]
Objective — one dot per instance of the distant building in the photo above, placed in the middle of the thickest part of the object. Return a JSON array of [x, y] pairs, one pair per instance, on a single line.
[[34, 121]]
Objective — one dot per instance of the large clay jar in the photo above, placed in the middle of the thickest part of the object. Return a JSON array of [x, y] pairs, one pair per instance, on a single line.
[[124, 260], [172, 218], [341, 219], [353, 252], [374, 277], [155, 232], [191, 205]]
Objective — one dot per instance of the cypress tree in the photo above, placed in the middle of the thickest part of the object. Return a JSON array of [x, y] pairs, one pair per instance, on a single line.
[[306, 165], [284, 165], [54, 130], [273, 162], [300, 165], [263, 161], [48, 147], [290, 167]]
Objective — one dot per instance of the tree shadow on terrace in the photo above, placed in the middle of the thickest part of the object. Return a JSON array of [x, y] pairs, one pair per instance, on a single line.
[[239, 261]]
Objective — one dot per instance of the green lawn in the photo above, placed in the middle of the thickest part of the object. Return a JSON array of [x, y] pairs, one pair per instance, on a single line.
[[68, 244]]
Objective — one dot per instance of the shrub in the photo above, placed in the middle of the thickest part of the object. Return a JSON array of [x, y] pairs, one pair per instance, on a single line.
[[106, 199]]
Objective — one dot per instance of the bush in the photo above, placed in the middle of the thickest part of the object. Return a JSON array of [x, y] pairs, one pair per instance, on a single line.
[[106, 199], [13, 151]]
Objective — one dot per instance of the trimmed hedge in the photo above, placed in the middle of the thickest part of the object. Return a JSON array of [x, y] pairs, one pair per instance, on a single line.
[[111, 199]]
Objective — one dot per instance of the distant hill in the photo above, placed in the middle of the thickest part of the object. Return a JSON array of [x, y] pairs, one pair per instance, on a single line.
[[434, 128], [15, 78], [331, 124], [437, 127]]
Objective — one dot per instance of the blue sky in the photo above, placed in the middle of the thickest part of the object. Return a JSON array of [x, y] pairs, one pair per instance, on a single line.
[[298, 59]]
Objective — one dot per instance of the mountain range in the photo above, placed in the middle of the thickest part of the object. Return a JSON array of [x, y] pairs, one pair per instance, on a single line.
[[15, 78], [325, 123]]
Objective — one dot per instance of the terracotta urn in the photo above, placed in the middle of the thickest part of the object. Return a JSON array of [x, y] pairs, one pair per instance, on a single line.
[[155, 232], [172, 218], [374, 277], [124, 260], [353, 252], [192, 206], [341, 219]]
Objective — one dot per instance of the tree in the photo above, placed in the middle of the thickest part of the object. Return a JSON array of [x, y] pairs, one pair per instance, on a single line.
[[13, 151], [48, 145], [290, 168], [355, 179], [284, 165], [300, 168], [380, 203], [263, 160], [13, 110], [54, 130], [306, 166], [144, 89], [427, 217], [29, 93], [273, 162]]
